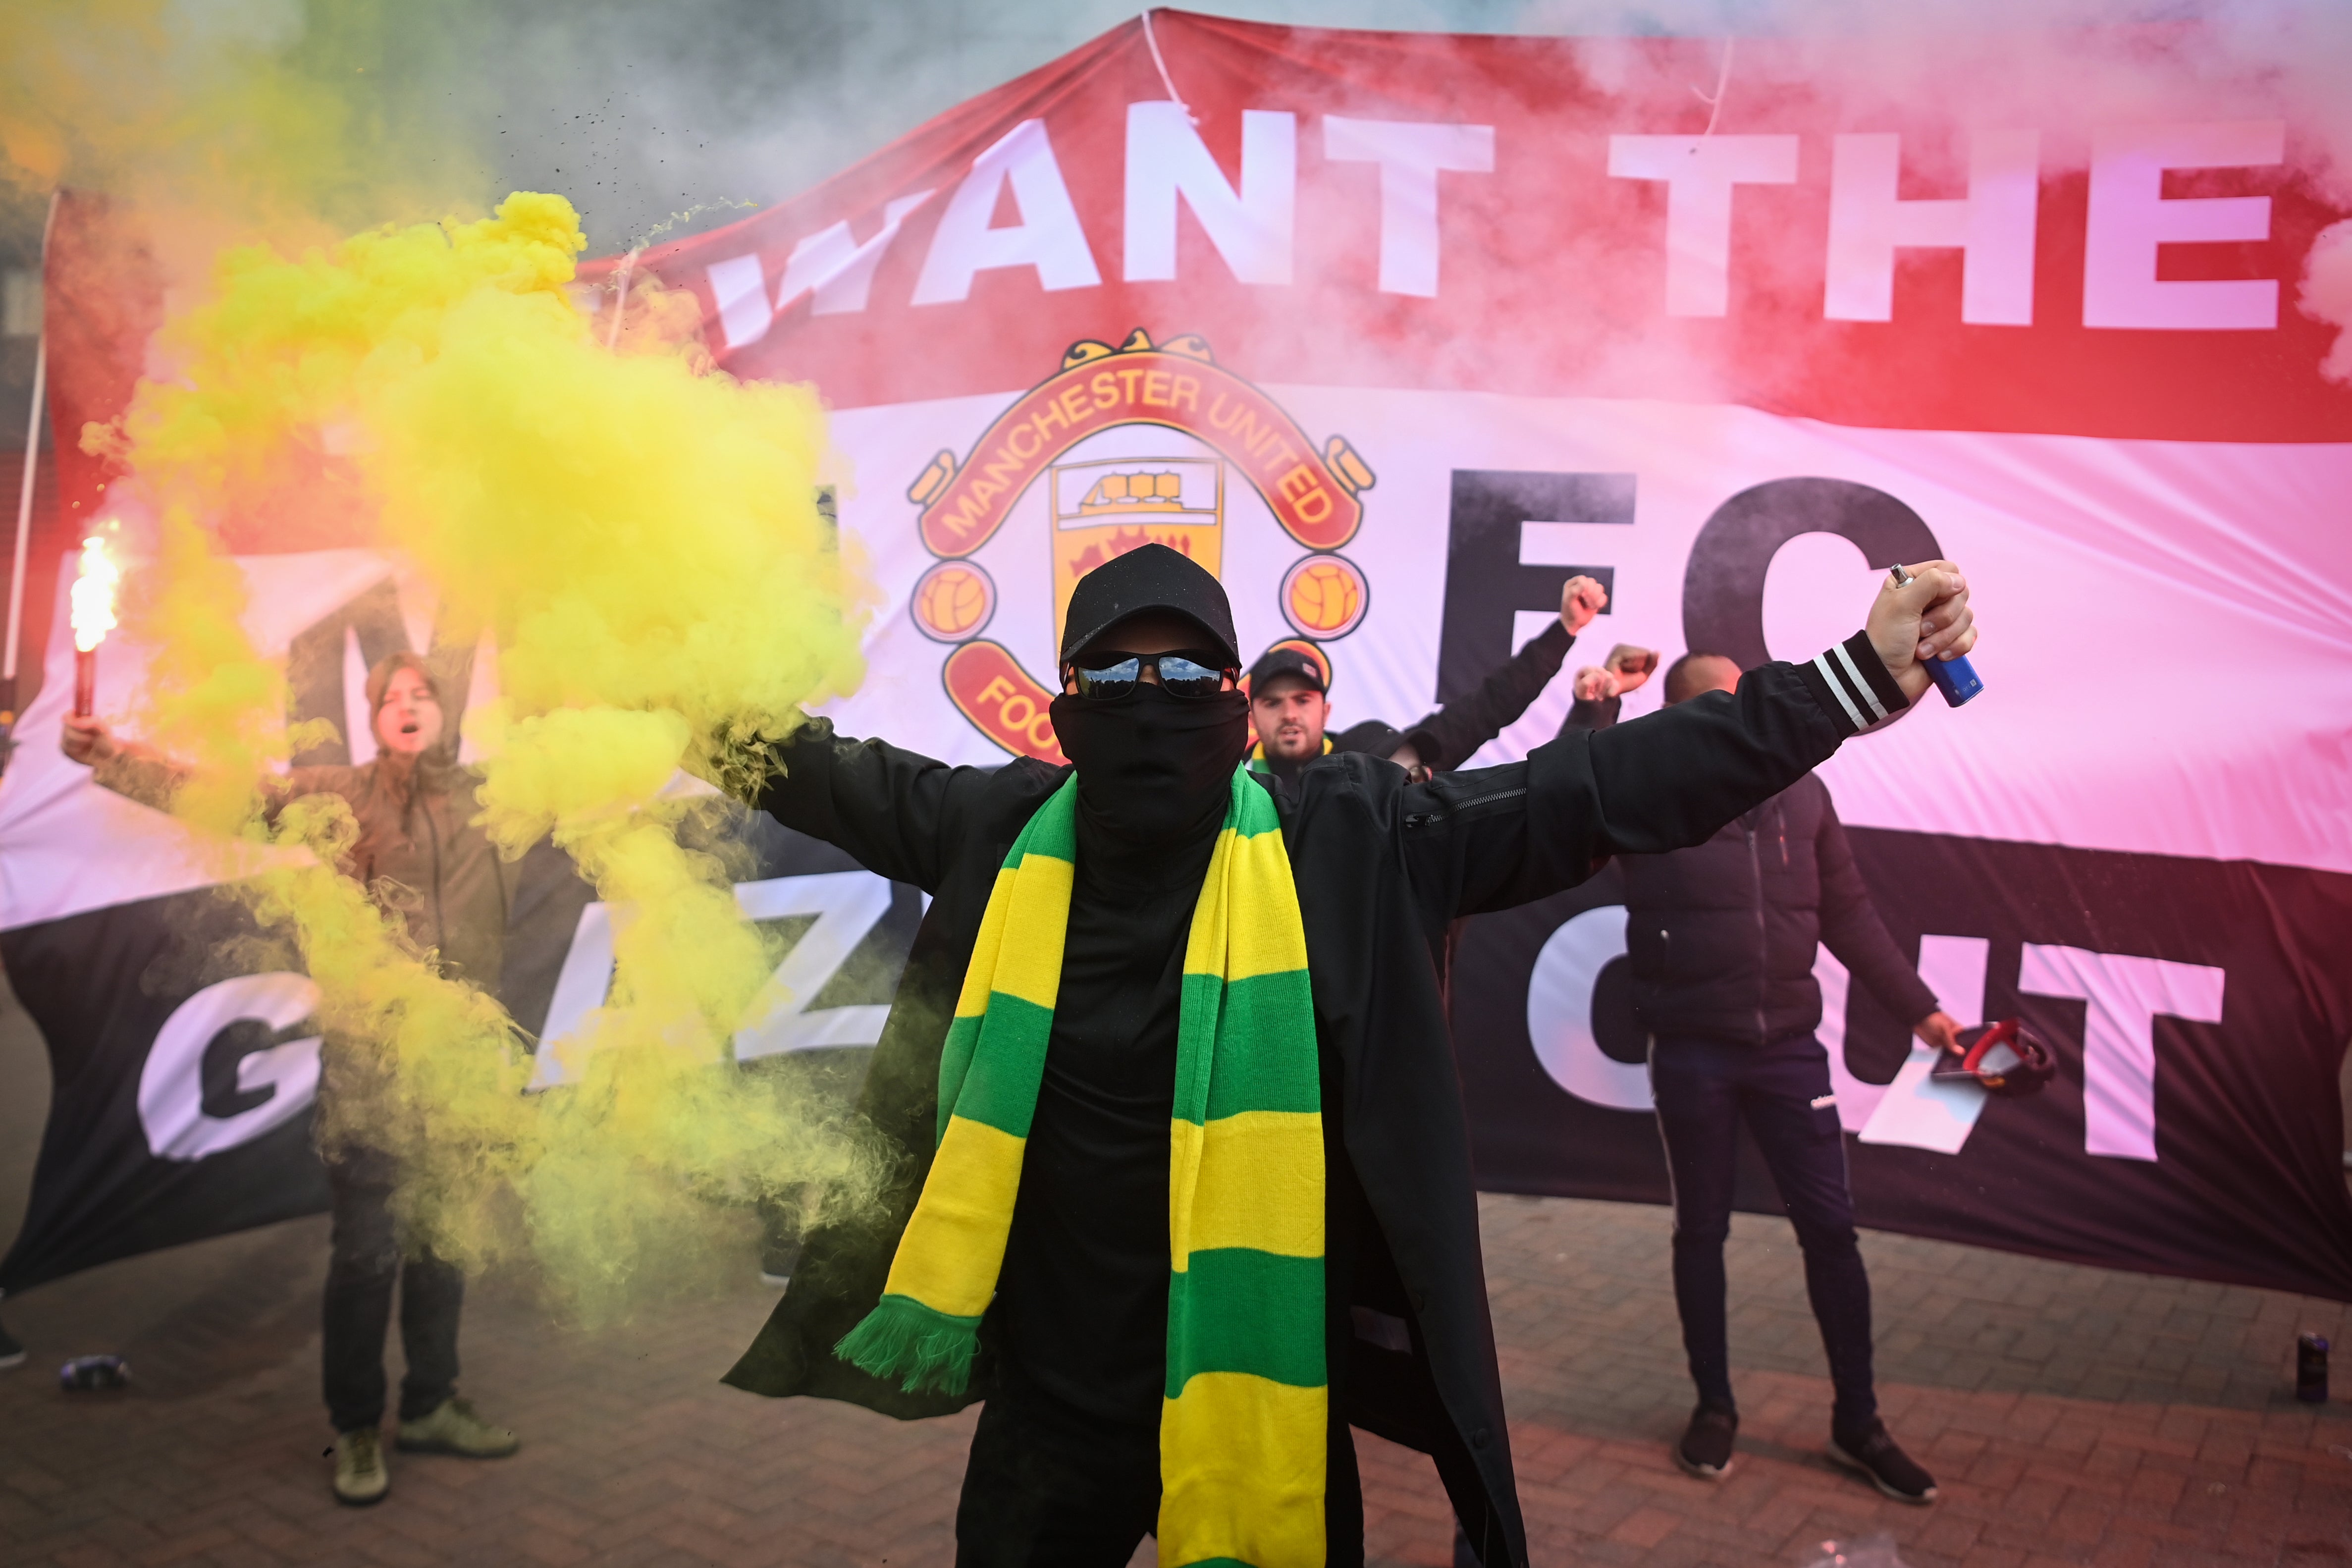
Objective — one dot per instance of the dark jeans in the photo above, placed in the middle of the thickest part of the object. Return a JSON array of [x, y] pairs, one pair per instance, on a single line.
[[361, 1269], [1050, 1486], [1704, 1088]]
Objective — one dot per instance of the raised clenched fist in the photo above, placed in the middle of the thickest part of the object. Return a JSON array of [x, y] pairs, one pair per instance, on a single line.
[[1631, 666], [1580, 599]]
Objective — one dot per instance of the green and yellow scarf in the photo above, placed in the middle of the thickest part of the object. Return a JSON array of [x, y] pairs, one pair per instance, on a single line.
[[1244, 1426]]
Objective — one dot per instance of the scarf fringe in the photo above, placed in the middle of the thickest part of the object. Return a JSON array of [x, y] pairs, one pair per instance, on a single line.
[[905, 1342]]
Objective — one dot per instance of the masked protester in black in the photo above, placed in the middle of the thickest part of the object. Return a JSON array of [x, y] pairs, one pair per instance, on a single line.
[[1152, 768], [1064, 1467]]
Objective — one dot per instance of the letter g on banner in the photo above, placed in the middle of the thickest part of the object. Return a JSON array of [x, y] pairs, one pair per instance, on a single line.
[[245, 1021], [1559, 1012], [1722, 585]]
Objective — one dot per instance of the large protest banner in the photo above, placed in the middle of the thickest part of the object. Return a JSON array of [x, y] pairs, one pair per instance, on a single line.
[[1395, 332]]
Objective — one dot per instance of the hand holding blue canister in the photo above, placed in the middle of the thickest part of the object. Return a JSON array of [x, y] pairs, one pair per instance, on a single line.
[[1955, 678]]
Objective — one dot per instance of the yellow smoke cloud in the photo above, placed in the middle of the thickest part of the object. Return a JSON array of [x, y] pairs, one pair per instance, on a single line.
[[642, 537]]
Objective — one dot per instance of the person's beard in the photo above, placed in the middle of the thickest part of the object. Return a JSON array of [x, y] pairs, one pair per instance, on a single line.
[[1153, 769], [1291, 739]]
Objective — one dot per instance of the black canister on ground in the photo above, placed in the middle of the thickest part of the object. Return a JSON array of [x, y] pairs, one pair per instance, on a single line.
[[2311, 1369], [91, 1374]]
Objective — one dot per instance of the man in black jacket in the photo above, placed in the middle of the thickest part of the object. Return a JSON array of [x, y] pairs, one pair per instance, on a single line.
[[1289, 688], [1721, 939], [1063, 1467]]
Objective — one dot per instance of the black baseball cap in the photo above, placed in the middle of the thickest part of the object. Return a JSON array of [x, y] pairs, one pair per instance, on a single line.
[[1374, 737], [1292, 656], [1150, 577]]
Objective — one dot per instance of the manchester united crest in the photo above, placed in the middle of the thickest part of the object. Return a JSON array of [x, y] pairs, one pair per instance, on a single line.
[[1139, 444]]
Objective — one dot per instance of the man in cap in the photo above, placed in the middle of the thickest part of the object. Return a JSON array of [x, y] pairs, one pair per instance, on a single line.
[[1182, 1187], [425, 862], [1721, 938], [1289, 691]]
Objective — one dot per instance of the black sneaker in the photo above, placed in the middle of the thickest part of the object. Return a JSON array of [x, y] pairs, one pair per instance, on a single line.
[[1890, 1470], [1706, 1448], [11, 1353]]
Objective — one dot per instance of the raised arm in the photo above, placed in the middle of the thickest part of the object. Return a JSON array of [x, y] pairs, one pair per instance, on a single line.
[[1498, 836], [894, 813], [1453, 734], [1599, 690], [140, 773], [1597, 711], [1492, 837]]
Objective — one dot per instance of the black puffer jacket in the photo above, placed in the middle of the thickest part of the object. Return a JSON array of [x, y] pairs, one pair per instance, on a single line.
[[1721, 936]]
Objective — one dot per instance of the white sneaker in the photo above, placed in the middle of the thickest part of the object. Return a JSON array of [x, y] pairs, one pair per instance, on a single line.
[[361, 1477]]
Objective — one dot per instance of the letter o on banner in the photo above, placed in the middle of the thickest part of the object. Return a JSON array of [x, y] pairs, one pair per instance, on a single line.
[[1559, 1012], [171, 1084], [1723, 582]]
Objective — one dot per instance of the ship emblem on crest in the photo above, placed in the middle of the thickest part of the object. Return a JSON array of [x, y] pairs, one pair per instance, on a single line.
[[1144, 443]]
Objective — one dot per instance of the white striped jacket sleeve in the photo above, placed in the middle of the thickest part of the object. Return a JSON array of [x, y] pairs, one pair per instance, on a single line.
[[1852, 685]]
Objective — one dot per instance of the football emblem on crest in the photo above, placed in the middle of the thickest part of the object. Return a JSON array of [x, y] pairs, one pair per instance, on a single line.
[[953, 600], [1325, 596]]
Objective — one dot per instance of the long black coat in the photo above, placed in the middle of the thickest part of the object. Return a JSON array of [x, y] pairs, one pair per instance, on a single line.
[[1382, 868]]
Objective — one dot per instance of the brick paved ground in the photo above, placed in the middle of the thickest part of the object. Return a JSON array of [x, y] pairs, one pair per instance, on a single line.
[[2074, 1415]]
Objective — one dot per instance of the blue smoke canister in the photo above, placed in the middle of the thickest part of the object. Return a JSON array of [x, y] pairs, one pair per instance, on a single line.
[[1957, 678]]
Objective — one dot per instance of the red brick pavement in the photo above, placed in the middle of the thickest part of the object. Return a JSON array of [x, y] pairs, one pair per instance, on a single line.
[[2074, 1415]]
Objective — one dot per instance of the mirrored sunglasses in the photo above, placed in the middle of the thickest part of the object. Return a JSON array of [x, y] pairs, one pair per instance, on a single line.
[[1180, 674]]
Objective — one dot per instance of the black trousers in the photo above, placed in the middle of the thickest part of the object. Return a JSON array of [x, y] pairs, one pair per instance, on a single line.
[[1051, 1486], [1705, 1088], [364, 1266]]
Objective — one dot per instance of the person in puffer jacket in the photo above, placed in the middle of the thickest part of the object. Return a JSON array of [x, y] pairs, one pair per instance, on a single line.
[[1721, 940], [423, 860]]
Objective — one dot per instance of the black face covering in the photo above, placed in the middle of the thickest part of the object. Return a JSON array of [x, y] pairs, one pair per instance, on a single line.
[[1153, 769]]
